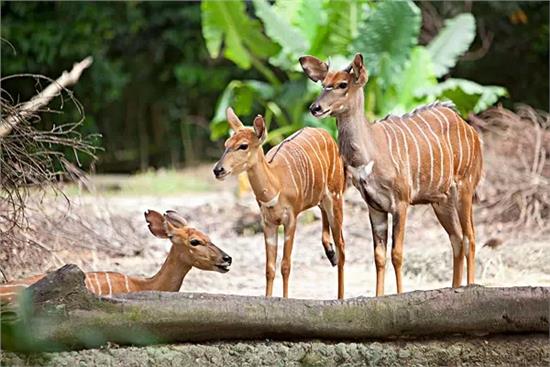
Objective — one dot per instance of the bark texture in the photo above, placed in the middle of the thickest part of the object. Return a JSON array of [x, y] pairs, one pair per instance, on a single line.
[[155, 317]]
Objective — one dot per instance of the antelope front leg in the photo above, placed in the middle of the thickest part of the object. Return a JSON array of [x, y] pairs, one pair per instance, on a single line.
[[398, 236], [290, 229], [379, 224], [270, 235]]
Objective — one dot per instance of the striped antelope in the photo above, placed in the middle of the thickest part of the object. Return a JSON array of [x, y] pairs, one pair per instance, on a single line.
[[303, 171], [190, 248], [430, 155]]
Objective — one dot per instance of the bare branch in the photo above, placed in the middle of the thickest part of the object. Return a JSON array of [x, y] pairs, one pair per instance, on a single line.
[[43, 98]]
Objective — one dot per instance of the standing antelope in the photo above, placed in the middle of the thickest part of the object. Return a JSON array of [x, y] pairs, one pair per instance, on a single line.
[[430, 155], [190, 248], [303, 171]]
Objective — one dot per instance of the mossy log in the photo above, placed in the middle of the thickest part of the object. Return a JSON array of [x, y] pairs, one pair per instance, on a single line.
[[155, 317]]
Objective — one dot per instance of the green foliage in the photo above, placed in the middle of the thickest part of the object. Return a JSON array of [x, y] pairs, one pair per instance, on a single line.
[[453, 40], [387, 38], [226, 21], [402, 73], [150, 89], [467, 95]]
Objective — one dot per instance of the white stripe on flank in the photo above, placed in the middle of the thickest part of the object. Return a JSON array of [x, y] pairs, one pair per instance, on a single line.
[[290, 169], [126, 283], [8, 294], [390, 147], [431, 152], [321, 160], [98, 284], [407, 159], [293, 169], [440, 181], [449, 146], [417, 154], [335, 157], [451, 160], [313, 168], [473, 144], [14, 285], [108, 283], [397, 147], [304, 171], [89, 284], [324, 155], [467, 147], [308, 169], [331, 158]]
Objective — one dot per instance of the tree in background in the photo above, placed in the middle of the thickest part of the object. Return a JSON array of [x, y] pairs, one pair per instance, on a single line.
[[151, 89]]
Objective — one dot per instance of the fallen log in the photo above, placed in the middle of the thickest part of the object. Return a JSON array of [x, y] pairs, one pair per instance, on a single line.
[[161, 317]]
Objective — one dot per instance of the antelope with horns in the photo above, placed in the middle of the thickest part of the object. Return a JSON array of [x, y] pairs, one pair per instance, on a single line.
[[429, 156], [190, 248], [303, 171]]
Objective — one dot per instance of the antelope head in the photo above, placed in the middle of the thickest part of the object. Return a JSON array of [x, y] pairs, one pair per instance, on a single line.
[[192, 246], [339, 87], [242, 147]]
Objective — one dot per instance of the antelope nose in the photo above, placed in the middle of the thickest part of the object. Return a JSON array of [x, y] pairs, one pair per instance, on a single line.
[[218, 170], [227, 259], [314, 108]]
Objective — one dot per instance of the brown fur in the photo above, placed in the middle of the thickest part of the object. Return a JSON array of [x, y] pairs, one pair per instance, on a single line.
[[183, 256], [429, 156], [303, 171]]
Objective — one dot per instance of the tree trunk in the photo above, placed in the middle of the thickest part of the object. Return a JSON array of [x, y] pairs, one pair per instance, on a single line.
[[153, 317]]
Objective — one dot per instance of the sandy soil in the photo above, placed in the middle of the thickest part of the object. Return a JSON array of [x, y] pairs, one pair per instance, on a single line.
[[427, 251]]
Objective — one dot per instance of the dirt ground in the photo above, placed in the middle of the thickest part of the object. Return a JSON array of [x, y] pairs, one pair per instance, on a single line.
[[496, 351], [521, 260]]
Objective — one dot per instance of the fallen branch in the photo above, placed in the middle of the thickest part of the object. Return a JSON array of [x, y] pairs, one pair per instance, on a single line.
[[154, 317], [43, 98]]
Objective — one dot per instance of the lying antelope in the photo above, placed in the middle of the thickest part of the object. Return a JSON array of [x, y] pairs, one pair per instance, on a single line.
[[303, 171], [190, 248], [430, 155]]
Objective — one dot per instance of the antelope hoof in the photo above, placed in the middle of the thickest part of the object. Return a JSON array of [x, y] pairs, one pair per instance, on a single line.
[[331, 255]]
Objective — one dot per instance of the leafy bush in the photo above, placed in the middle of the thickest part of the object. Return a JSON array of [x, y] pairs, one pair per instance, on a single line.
[[403, 74]]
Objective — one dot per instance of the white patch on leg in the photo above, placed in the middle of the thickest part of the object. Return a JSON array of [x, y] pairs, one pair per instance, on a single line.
[[456, 243], [466, 244]]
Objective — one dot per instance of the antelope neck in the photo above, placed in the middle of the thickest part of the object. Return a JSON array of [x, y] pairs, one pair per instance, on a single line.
[[170, 276], [354, 131], [263, 181]]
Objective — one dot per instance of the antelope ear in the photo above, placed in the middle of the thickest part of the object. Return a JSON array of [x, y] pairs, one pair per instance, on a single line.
[[175, 219], [314, 68], [357, 69], [155, 222], [259, 128], [234, 122]]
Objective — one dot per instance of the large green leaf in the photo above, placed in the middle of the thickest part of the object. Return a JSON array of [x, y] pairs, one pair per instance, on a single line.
[[418, 73], [387, 37], [343, 20], [279, 29], [452, 42], [225, 23], [468, 96]]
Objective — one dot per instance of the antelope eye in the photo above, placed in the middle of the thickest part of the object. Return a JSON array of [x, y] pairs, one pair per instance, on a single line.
[[243, 147], [195, 242], [343, 85]]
